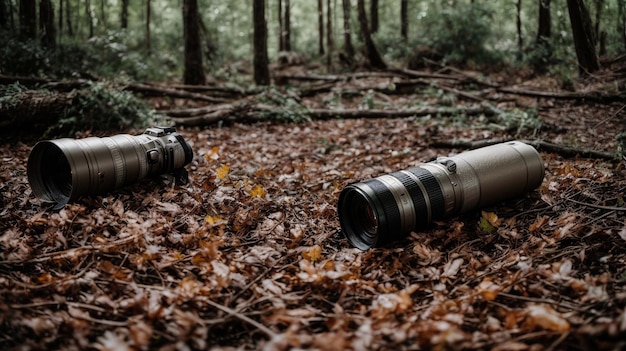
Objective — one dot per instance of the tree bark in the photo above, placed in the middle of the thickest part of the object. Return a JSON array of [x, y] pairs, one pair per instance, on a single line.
[[28, 19], [596, 27], [103, 14], [621, 20], [124, 14], [60, 23], [4, 21], [281, 28], [89, 14], [329, 37], [347, 32], [544, 30], [404, 19], [584, 41], [194, 71], [287, 22], [371, 51], [520, 38], [46, 24], [261, 61], [320, 26], [373, 16], [68, 20], [148, 39]]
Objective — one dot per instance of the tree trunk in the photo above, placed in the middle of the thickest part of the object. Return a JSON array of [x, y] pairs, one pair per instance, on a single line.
[[4, 21], [194, 71], [46, 25], [103, 15], [281, 27], [371, 51], [287, 31], [89, 17], [11, 18], [261, 61], [582, 32], [404, 19], [520, 38], [347, 32], [68, 20], [621, 20], [545, 22], [148, 39], [596, 27], [28, 19], [60, 23], [320, 26], [124, 14], [374, 16], [329, 37]]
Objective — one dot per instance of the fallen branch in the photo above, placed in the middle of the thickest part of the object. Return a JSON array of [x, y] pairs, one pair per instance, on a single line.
[[562, 150], [596, 96], [246, 112]]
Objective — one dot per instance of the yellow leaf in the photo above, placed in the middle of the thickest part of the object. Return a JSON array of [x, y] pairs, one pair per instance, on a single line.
[[257, 191], [313, 253], [212, 220], [492, 218], [222, 172]]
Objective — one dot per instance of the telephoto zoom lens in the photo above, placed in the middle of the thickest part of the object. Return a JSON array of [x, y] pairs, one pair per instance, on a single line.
[[62, 170], [378, 211]]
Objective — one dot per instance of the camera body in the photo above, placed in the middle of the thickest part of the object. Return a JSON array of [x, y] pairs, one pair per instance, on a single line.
[[377, 211], [62, 170]]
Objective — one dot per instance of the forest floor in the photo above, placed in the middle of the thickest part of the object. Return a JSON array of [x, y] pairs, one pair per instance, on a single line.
[[250, 254]]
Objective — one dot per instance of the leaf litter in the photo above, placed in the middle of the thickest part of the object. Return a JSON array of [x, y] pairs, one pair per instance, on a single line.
[[249, 255]]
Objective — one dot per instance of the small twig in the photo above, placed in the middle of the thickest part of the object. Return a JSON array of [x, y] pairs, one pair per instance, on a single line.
[[610, 117], [611, 208], [269, 332]]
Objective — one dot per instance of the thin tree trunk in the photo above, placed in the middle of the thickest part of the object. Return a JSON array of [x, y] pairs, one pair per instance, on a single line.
[[68, 19], [329, 37], [621, 20], [103, 15], [3, 15], [60, 24], [371, 51], [544, 31], [347, 32], [89, 17], [584, 42], [320, 26], [520, 38], [261, 61], [46, 24], [11, 18], [28, 19], [404, 19], [287, 31], [194, 71], [374, 16], [281, 28], [148, 39], [596, 28], [124, 14]]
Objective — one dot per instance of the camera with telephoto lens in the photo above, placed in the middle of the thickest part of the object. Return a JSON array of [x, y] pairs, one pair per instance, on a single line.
[[378, 211], [62, 170]]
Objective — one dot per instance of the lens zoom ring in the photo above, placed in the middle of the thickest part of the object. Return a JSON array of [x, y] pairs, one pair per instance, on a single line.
[[419, 203], [392, 230], [435, 194]]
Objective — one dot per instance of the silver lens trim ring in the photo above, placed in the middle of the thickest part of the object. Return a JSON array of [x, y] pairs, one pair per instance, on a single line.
[[403, 201], [429, 210]]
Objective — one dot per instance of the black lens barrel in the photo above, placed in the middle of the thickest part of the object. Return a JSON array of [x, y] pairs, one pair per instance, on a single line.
[[426, 198]]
